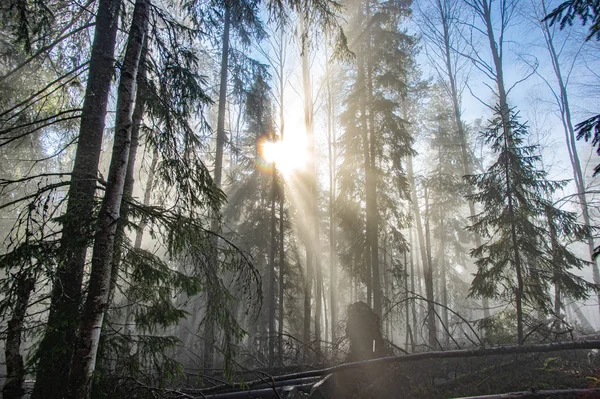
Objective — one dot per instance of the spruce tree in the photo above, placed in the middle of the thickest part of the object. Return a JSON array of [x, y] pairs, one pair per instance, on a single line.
[[515, 265]]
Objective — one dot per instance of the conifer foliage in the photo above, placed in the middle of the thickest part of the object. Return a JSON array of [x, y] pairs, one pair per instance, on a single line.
[[515, 263]]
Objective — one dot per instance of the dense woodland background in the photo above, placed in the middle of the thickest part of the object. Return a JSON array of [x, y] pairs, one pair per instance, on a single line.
[[199, 187]]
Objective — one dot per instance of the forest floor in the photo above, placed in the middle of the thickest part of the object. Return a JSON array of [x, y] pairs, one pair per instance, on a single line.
[[475, 376]]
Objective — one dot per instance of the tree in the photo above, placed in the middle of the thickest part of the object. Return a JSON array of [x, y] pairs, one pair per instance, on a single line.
[[375, 137], [562, 99], [445, 191], [515, 196], [56, 346], [97, 300], [587, 11], [443, 31]]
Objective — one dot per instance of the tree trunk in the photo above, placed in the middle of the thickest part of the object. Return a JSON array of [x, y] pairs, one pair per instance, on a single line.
[[281, 207], [428, 277], [311, 246], [84, 357], [209, 329], [371, 182], [138, 113], [427, 269], [409, 305], [565, 114], [56, 347], [271, 275], [332, 243], [496, 50], [15, 371]]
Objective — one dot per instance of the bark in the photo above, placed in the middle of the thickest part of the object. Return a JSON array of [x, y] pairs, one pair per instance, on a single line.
[[84, 358], [138, 113], [15, 370], [56, 347]]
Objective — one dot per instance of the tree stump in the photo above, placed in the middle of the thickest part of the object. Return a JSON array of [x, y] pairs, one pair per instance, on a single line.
[[364, 332]]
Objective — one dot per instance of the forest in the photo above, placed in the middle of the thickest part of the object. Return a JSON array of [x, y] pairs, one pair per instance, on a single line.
[[299, 198]]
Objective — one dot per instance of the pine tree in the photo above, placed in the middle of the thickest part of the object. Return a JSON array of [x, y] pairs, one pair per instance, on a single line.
[[375, 137], [515, 263]]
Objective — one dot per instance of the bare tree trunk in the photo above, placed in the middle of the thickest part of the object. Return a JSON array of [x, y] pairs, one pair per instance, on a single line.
[[427, 268], [409, 305], [56, 347], [447, 11], [15, 371], [281, 205], [361, 82], [271, 275], [312, 217], [138, 114], [565, 114], [371, 183], [428, 277], [332, 190], [209, 329], [84, 357]]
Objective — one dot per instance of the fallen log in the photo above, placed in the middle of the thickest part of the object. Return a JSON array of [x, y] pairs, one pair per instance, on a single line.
[[264, 393], [593, 393], [498, 350]]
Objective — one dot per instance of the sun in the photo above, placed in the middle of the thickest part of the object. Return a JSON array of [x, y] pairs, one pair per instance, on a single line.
[[290, 155]]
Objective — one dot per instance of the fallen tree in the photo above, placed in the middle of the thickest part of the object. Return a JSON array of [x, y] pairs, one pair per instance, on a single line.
[[492, 351], [555, 393]]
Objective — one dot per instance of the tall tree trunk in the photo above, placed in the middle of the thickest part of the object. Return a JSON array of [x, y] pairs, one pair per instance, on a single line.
[[332, 243], [209, 329], [565, 114], [361, 82], [371, 182], [15, 371], [428, 277], [456, 107], [271, 275], [56, 347], [555, 264], [427, 267], [409, 305], [312, 219], [496, 50], [84, 357], [138, 113], [281, 206]]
